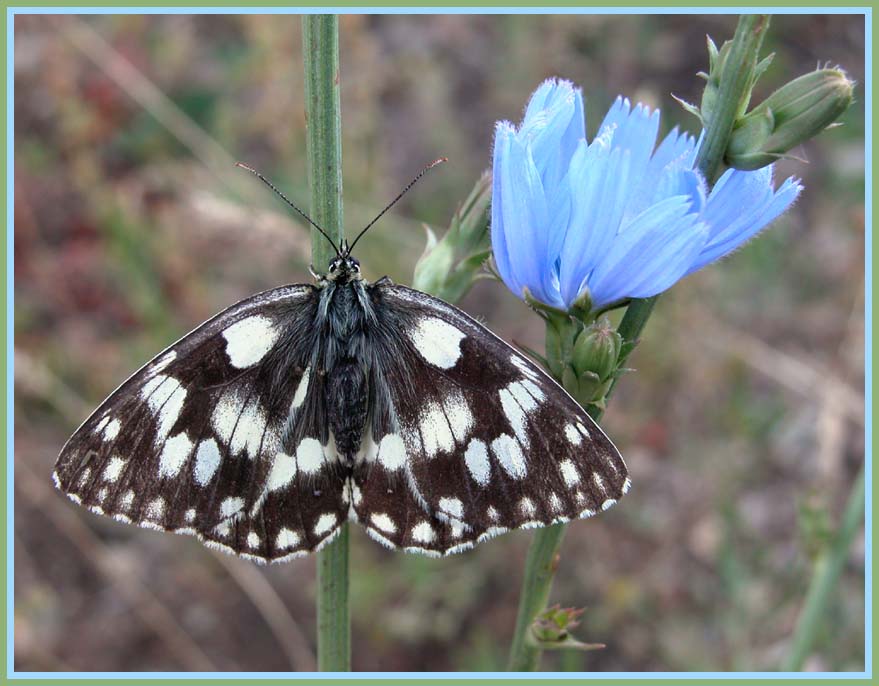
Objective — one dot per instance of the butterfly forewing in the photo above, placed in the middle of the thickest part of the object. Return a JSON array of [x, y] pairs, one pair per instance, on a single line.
[[203, 438], [473, 439]]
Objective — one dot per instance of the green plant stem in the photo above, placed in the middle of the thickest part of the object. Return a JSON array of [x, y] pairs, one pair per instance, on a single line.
[[323, 113], [320, 48], [825, 574], [734, 82], [539, 570], [537, 584]]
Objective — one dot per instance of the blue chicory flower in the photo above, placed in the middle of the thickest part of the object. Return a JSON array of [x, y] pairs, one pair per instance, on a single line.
[[614, 218]]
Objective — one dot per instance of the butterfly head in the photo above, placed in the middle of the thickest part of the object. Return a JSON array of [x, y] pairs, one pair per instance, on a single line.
[[343, 267]]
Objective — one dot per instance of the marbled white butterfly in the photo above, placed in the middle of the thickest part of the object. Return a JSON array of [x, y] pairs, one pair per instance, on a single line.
[[297, 409]]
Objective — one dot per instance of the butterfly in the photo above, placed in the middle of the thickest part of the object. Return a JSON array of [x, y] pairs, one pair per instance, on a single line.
[[267, 427]]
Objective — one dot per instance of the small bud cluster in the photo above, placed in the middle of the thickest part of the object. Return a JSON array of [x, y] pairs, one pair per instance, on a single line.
[[793, 114], [449, 266], [551, 629]]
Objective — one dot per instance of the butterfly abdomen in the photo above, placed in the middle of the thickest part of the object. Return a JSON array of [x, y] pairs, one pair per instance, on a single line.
[[347, 406]]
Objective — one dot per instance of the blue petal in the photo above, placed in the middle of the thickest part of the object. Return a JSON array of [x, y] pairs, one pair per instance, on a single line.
[[599, 196], [552, 127], [520, 209], [634, 130], [504, 133], [650, 254], [740, 205], [675, 148]]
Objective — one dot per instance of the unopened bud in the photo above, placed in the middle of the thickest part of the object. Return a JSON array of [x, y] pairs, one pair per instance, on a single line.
[[592, 363], [597, 350], [554, 623], [793, 114]]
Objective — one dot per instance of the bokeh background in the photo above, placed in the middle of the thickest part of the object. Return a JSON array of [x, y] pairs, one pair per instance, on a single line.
[[742, 427]]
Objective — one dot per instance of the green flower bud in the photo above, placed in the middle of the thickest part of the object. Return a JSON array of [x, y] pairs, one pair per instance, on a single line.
[[554, 623], [597, 350], [793, 114], [449, 266], [550, 630], [581, 308], [434, 265]]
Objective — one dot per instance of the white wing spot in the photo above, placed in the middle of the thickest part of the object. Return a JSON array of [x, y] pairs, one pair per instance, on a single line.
[[164, 361], [156, 509], [324, 523], [572, 435], [452, 506], [84, 477], [599, 482], [492, 514], [174, 455], [423, 532], [569, 472], [526, 507], [356, 494], [509, 453], [253, 539], [207, 460], [436, 433], [437, 341], [555, 502], [242, 428], [457, 528], [459, 416], [190, 515], [127, 499], [526, 394], [301, 389], [383, 522], [112, 430], [231, 506], [286, 539], [102, 494], [309, 455], [392, 452], [524, 367], [477, 462], [165, 396], [248, 340], [515, 415], [99, 428], [582, 430], [282, 473], [114, 469]]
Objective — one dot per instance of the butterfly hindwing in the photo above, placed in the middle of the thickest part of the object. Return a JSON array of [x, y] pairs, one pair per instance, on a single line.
[[473, 439], [204, 438]]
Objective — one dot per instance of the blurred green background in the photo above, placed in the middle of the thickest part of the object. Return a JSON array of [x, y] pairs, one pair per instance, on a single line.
[[742, 428]]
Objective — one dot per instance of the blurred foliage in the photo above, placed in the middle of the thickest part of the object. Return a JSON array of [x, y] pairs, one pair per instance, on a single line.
[[744, 406]]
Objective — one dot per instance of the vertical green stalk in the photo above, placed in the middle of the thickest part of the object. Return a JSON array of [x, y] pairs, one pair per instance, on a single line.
[[541, 564], [320, 48], [539, 571], [828, 566]]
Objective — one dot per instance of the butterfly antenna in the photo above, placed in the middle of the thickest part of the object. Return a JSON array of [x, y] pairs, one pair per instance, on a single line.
[[287, 200], [394, 201]]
